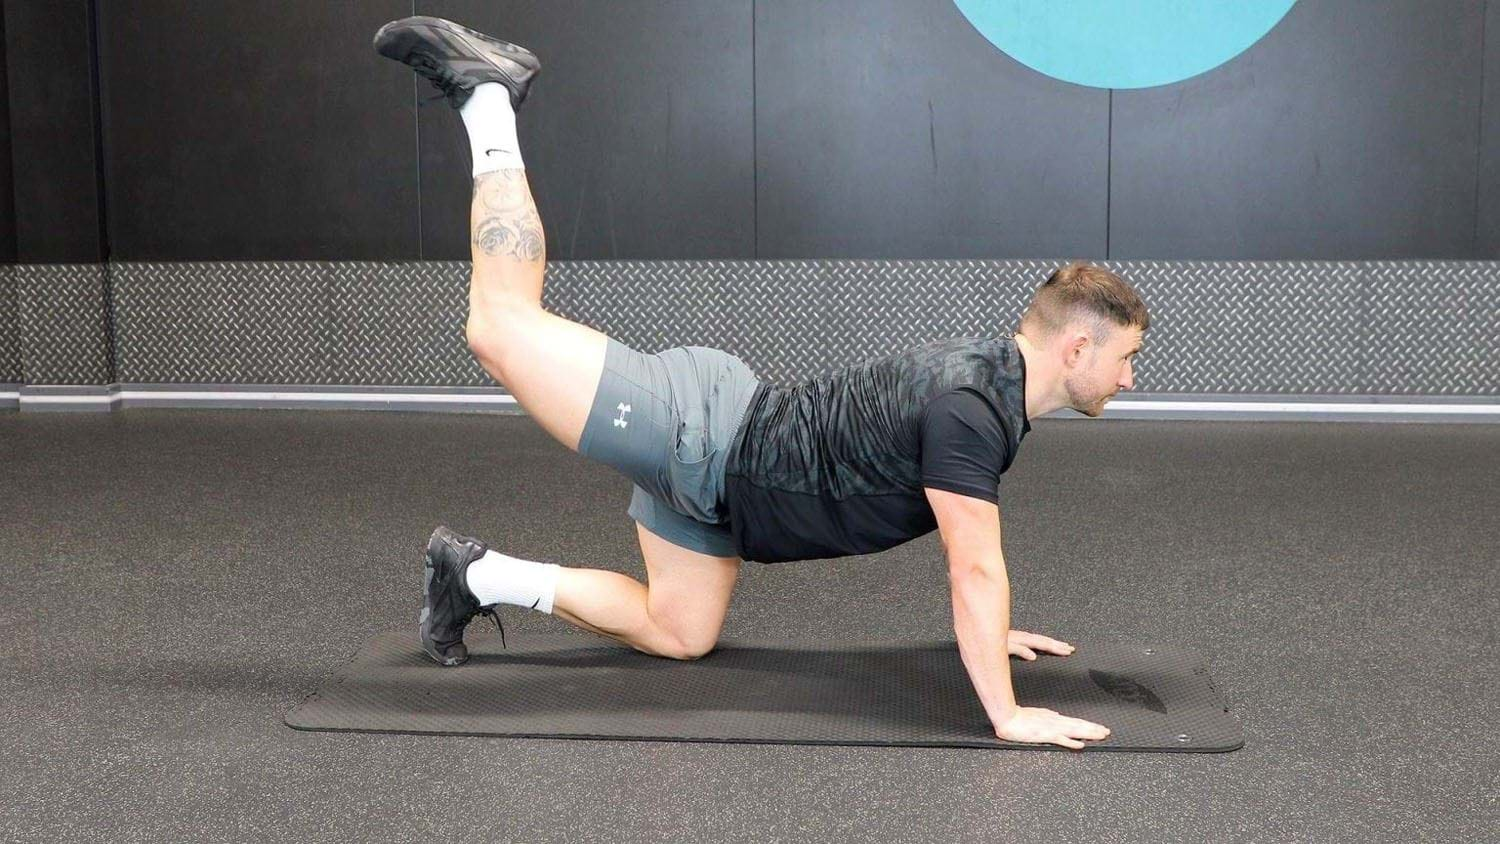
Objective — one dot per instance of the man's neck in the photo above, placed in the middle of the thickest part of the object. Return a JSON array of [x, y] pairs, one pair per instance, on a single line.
[[1039, 378]]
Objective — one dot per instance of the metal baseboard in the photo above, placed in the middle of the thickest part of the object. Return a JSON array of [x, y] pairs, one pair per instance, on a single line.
[[1189, 407], [1302, 408], [29, 398], [277, 397], [119, 397]]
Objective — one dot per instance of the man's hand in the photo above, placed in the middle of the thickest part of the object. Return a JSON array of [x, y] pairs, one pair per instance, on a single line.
[[1045, 726], [1025, 645], [1031, 724]]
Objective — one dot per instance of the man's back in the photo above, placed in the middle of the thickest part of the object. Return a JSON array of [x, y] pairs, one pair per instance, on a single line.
[[836, 465]]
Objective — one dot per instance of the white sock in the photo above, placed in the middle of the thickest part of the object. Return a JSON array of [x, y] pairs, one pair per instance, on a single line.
[[498, 579], [492, 129]]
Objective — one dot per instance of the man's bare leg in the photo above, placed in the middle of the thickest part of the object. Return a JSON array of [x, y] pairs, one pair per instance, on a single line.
[[508, 245], [551, 365]]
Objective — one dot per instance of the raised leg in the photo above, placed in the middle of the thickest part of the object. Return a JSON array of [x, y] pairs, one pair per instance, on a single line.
[[552, 366], [508, 245]]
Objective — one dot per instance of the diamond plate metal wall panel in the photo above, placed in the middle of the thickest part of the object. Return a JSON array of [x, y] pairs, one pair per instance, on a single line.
[[1268, 327], [304, 322], [400, 324], [10, 328], [1319, 327], [65, 324], [790, 319], [212, 322], [1228, 327], [1250, 326], [1436, 325]]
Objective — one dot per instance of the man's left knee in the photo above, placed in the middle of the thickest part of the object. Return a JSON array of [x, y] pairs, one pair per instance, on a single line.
[[689, 651], [492, 324]]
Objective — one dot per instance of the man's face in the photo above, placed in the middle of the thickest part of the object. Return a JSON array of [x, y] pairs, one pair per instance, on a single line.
[[1104, 371]]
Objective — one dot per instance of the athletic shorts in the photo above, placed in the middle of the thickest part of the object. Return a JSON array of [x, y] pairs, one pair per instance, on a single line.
[[666, 421]]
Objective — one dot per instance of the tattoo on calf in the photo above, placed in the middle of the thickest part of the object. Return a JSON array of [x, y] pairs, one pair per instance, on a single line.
[[507, 224]]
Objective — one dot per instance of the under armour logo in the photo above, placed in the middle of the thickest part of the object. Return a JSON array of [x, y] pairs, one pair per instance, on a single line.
[[624, 409]]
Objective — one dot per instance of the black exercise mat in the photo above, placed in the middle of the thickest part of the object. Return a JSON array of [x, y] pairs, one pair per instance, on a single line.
[[1152, 697]]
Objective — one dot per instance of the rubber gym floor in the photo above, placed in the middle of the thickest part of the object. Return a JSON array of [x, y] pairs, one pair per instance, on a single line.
[[177, 580]]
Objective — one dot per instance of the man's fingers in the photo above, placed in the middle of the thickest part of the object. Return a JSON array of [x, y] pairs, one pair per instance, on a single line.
[[1082, 724], [1079, 728], [1048, 726], [1052, 645], [1072, 738], [1086, 729], [1042, 643], [1075, 740]]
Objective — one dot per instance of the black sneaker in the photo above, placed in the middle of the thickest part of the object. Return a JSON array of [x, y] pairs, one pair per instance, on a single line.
[[457, 58], [447, 602]]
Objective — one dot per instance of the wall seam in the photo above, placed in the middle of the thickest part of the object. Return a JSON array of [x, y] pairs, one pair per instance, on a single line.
[[1109, 171], [101, 183], [15, 223], [1484, 14], [416, 127]]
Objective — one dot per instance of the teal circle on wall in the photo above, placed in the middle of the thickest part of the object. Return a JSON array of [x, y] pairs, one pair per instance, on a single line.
[[1123, 43]]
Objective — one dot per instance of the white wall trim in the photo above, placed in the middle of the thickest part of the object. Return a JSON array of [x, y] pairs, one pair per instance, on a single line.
[[1204, 407]]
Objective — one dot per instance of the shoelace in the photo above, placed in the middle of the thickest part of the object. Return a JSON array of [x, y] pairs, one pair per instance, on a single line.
[[494, 616], [442, 77]]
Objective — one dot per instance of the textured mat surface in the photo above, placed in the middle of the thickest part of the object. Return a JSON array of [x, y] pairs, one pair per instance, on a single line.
[[1152, 697]]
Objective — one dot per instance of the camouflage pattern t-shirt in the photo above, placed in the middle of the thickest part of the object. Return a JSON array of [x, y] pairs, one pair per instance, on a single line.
[[837, 465]]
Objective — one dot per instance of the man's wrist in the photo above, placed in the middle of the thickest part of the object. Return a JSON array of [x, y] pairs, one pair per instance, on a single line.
[[1004, 713]]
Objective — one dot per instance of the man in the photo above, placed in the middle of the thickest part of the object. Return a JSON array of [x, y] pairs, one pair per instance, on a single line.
[[729, 468]]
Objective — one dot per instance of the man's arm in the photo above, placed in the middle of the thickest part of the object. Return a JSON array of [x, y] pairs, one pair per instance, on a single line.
[[970, 532], [981, 618]]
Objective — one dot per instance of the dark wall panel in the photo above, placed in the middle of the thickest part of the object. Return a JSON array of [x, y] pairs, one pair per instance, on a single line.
[[257, 129], [893, 129], [1487, 230], [637, 134], [55, 180], [7, 185], [262, 129], [1346, 133]]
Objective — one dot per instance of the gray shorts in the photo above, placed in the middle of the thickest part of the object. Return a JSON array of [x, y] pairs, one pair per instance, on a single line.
[[666, 421]]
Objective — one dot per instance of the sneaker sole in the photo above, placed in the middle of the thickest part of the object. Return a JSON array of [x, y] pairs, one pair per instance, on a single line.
[[399, 48], [424, 629]]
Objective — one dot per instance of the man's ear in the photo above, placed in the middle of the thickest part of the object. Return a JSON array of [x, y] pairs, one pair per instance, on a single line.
[[1075, 348]]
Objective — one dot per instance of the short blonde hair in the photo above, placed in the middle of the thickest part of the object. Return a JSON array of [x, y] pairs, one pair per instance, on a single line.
[[1083, 292]]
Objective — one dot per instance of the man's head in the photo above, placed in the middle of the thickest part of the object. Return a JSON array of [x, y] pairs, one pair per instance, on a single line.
[[1088, 323]]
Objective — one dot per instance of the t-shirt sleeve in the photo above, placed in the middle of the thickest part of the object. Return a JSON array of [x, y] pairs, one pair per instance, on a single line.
[[964, 448]]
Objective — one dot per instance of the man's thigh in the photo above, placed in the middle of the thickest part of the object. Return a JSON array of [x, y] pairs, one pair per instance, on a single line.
[[632, 423], [551, 366]]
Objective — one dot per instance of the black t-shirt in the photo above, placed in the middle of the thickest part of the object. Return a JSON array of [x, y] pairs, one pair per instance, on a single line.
[[837, 465]]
